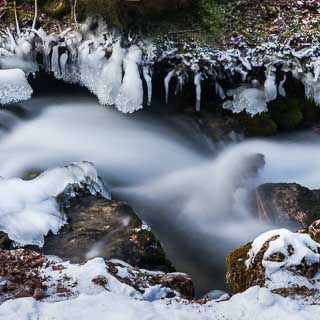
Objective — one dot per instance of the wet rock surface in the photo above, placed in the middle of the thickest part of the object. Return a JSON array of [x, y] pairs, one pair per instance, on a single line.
[[288, 204], [109, 229]]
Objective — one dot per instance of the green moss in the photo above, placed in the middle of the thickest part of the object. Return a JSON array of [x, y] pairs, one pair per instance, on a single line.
[[286, 113], [261, 125], [237, 278], [57, 8], [211, 16], [310, 202]]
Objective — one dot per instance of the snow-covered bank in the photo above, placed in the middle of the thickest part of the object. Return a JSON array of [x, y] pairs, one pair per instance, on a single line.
[[112, 289], [29, 209], [254, 304], [14, 86]]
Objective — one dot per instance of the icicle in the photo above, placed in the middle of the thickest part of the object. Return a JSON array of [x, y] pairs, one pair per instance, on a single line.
[[16, 19], [242, 72], [13, 43], [111, 77], [167, 80], [316, 68], [55, 68], [245, 62], [270, 86], [130, 97], [63, 64], [281, 88], [219, 91], [148, 79], [197, 83]]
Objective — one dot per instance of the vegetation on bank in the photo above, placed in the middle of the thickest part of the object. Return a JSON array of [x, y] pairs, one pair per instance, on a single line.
[[188, 17]]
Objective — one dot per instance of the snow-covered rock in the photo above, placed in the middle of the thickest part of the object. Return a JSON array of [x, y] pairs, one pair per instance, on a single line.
[[285, 262], [29, 208], [14, 86]]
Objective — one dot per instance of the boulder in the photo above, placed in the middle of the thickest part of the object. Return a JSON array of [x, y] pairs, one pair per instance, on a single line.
[[105, 228], [285, 262], [288, 203]]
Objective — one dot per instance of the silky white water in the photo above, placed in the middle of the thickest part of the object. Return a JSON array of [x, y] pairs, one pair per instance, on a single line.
[[195, 197]]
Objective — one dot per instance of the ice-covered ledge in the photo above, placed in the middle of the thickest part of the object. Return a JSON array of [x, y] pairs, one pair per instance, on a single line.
[[114, 66]]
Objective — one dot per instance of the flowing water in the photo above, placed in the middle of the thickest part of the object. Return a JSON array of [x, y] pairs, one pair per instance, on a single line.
[[195, 197]]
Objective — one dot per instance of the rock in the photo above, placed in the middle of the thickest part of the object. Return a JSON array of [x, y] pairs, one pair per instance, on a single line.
[[220, 127], [26, 273], [288, 203], [109, 229], [19, 272], [141, 279], [314, 231], [285, 262]]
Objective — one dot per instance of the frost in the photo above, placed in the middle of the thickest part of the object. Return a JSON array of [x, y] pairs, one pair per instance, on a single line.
[[14, 86], [29, 209]]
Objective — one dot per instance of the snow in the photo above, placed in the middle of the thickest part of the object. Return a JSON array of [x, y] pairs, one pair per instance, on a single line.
[[119, 301], [29, 209], [14, 86]]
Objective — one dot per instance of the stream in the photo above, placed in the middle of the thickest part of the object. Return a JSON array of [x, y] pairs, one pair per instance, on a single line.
[[195, 196]]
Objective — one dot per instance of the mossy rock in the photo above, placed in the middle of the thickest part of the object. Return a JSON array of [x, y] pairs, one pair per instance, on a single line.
[[5, 242], [104, 228], [236, 276], [260, 125]]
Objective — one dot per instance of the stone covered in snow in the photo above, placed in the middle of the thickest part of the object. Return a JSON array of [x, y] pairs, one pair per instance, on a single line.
[[29, 208], [286, 263]]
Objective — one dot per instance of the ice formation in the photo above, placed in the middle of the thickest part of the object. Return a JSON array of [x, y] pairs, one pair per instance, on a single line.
[[250, 99], [14, 86], [29, 208], [113, 67], [130, 96]]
